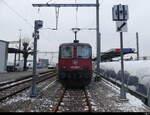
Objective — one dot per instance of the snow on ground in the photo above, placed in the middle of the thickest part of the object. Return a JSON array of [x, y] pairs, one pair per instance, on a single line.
[[104, 97], [140, 69], [132, 104], [22, 102]]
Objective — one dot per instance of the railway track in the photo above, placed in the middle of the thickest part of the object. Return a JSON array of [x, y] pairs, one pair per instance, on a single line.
[[11, 89], [74, 100]]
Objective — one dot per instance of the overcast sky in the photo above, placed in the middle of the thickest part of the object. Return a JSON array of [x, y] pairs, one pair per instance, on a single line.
[[19, 14]]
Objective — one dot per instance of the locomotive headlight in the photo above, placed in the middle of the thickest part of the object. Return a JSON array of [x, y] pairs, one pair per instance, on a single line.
[[75, 62]]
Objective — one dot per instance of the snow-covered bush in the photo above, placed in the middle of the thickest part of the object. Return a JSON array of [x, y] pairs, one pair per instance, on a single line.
[[136, 73], [142, 89], [133, 80]]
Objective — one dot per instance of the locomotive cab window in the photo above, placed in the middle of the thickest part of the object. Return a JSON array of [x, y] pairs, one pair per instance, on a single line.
[[84, 52], [66, 52]]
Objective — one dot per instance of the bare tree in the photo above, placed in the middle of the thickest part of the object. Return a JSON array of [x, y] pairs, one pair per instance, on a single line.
[[26, 51]]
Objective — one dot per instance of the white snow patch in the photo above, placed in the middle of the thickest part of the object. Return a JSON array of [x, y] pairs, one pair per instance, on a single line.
[[133, 104], [18, 98], [133, 101], [49, 85]]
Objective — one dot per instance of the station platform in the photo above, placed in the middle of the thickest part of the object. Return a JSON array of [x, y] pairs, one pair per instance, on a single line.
[[106, 97], [9, 76]]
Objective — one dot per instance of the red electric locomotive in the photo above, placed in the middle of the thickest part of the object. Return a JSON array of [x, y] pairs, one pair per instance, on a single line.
[[75, 64]]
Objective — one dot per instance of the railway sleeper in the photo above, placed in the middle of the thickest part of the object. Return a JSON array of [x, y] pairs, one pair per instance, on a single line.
[[73, 108], [69, 103]]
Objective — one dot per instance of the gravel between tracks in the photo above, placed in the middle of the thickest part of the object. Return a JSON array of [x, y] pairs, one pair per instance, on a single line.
[[105, 98], [42, 103]]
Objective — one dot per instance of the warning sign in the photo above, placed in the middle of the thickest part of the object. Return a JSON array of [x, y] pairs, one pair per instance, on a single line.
[[121, 26]]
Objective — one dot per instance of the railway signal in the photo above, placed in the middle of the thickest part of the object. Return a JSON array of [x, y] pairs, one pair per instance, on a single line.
[[37, 25], [120, 15]]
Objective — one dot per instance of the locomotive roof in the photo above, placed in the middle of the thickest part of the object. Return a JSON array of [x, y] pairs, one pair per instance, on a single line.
[[75, 44]]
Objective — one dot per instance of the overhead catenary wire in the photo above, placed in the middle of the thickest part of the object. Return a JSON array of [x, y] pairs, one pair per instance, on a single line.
[[57, 16], [76, 20], [76, 14], [49, 1], [57, 6], [14, 11]]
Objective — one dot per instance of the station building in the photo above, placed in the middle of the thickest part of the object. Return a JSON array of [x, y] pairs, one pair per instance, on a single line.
[[3, 56]]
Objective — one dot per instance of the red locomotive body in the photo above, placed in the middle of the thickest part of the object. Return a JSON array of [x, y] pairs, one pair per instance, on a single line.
[[75, 64]]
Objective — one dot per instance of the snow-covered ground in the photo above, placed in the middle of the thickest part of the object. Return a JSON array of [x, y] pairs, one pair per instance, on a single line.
[[139, 69], [132, 104], [104, 97], [107, 98]]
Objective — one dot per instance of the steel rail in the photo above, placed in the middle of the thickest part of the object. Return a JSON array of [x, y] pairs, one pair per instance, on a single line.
[[88, 101], [20, 81], [27, 86], [63, 95], [59, 101], [25, 77]]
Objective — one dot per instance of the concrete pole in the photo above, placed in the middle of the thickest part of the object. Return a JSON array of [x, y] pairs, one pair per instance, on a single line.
[[15, 62], [137, 44], [34, 88], [122, 90], [148, 96], [98, 39], [99, 50], [19, 44]]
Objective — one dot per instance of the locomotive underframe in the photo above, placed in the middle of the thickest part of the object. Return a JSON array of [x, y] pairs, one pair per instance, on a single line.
[[75, 78]]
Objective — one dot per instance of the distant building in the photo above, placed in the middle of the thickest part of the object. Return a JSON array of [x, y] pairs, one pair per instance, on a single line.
[[3, 56], [44, 62], [144, 58], [20, 64]]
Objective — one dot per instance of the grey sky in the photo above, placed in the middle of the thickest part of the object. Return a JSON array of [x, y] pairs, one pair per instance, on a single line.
[[19, 14]]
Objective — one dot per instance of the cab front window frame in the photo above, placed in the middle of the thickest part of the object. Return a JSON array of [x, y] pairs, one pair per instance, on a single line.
[[66, 52]]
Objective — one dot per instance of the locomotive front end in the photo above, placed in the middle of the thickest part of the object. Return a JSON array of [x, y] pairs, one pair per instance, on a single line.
[[75, 64]]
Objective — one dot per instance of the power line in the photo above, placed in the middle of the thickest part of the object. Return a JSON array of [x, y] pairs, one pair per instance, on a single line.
[[24, 19], [51, 1], [76, 24], [57, 16]]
